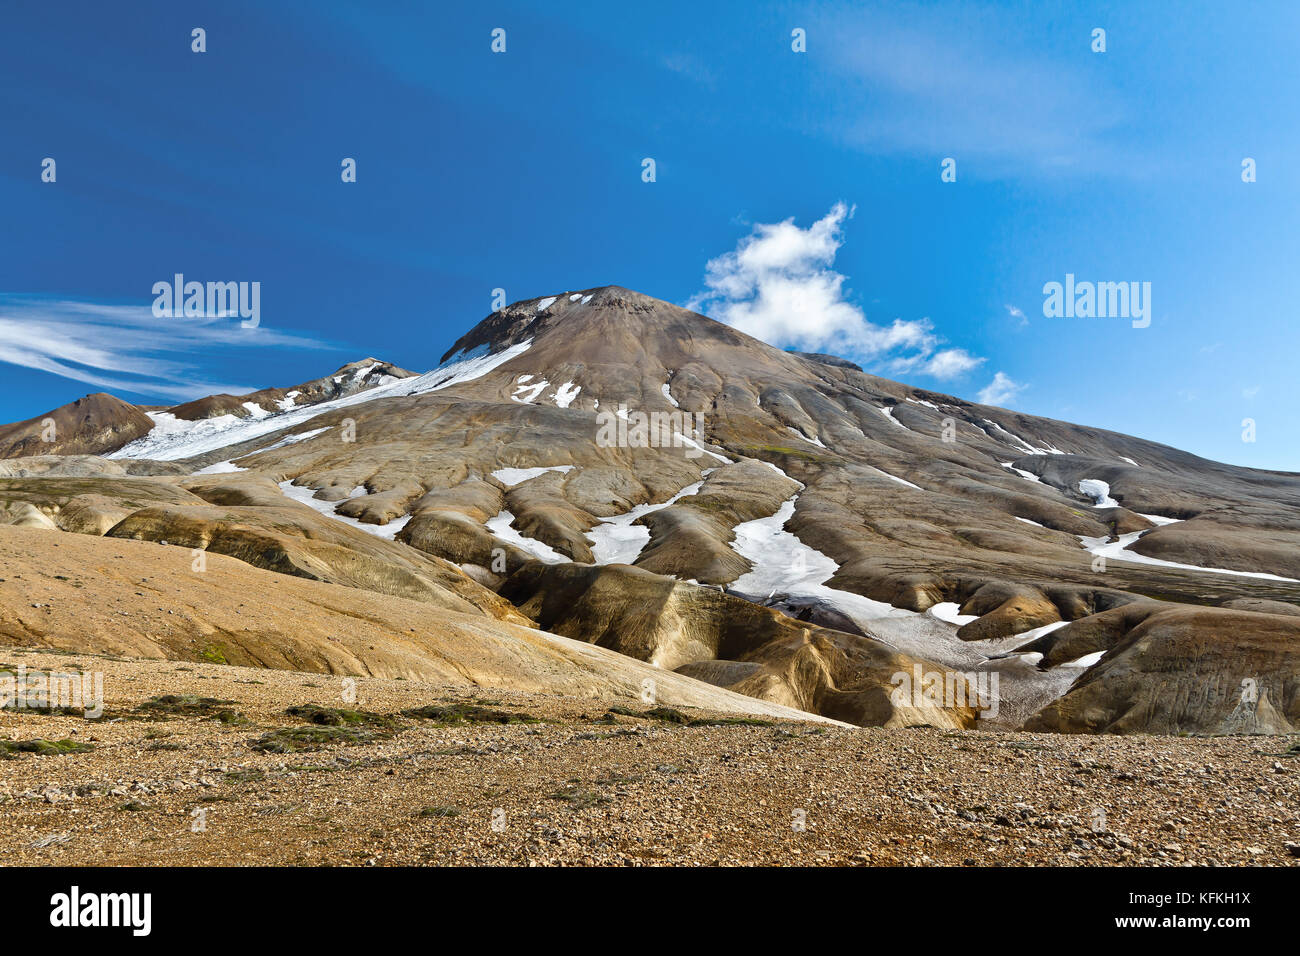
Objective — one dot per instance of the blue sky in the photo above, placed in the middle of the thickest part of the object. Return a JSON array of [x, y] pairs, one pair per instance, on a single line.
[[523, 171]]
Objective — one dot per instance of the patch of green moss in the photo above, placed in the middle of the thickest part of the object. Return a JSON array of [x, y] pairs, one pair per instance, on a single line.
[[40, 747], [190, 705], [467, 714], [289, 740], [668, 715], [343, 717], [183, 705], [212, 654], [671, 715]]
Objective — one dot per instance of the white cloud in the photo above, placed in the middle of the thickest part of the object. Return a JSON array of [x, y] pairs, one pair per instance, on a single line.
[[778, 285], [125, 347], [945, 363], [1001, 391], [1015, 313]]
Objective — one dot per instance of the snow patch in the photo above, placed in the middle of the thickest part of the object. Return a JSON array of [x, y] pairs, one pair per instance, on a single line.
[[618, 540], [528, 393], [781, 562], [1159, 519], [517, 476], [172, 439], [1016, 440], [1087, 660], [808, 438], [294, 439], [949, 611], [500, 526], [220, 468], [888, 412], [566, 393], [895, 478], [1099, 491], [1034, 634], [308, 497], [1029, 475], [1118, 551]]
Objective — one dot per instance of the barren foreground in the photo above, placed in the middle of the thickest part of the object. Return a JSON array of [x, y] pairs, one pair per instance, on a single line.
[[181, 782]]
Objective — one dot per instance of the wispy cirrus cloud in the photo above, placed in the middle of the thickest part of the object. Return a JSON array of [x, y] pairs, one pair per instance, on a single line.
[[778, 285], [126, 348], [970, 86]]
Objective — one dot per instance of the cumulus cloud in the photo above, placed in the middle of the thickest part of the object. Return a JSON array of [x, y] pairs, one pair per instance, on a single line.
[[1001, 391], [124, 347], [945, 363], [778, 285]]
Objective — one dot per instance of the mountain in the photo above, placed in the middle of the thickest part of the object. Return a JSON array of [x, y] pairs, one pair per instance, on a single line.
[[349, 380], [100, 423], [89, 426], [611, 468]]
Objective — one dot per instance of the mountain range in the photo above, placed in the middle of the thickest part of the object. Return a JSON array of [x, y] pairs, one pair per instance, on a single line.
[[766, 532]]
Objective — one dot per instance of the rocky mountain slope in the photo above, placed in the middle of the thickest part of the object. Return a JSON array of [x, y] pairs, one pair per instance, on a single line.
[[625, 473]]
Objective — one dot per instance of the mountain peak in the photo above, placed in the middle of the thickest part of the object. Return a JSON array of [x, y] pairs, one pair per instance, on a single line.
[[91, 425], [618, 316]]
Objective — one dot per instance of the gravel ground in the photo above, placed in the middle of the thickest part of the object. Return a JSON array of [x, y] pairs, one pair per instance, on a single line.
[[583, 786]]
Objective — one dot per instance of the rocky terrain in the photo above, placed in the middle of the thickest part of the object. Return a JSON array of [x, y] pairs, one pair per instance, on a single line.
[[597, 488], [208, 764]]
